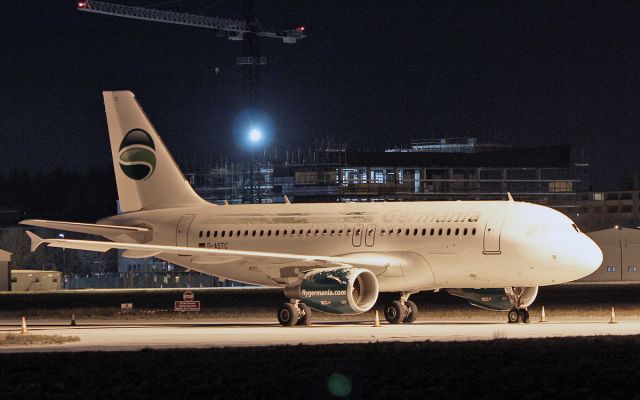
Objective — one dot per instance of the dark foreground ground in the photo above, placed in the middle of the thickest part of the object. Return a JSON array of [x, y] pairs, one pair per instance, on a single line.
[[570, 368]]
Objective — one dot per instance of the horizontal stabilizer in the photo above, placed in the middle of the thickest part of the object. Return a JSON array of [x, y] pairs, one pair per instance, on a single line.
[[110, 231], [36, 241]]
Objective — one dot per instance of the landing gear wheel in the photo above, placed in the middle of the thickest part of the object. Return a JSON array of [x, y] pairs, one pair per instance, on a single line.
[[524, 316], [513, 316], [394, 312], [287, 314], [306, 315], [412, 312]]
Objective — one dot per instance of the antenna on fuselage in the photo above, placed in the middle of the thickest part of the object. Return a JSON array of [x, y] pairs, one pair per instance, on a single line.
[[510, 197], [286, 199]]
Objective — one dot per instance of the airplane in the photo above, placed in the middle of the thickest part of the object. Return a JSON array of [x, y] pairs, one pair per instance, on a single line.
[[333, 257]]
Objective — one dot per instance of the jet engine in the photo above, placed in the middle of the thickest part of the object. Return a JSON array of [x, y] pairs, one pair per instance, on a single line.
[[497, 299], [341, 290]]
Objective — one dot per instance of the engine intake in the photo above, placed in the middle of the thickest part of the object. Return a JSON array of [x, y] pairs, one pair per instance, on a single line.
[[341, 290]]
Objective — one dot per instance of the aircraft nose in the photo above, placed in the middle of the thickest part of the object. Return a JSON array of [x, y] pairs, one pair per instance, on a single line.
[[587, 255]]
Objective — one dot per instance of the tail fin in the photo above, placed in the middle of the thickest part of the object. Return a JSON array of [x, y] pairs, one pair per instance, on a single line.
[[146, 174]]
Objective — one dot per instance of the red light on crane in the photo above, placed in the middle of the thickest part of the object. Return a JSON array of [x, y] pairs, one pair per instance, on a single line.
[[82, 4], [300, 28]]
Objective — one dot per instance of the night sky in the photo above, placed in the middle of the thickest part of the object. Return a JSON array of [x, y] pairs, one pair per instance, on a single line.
[[371, 73]]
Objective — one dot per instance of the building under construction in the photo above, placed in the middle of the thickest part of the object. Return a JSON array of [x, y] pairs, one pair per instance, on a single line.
[[445, 169]]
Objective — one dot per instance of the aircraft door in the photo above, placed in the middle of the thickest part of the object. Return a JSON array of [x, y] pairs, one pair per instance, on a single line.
[[182, 231], [492, 232], [370, 236], [356, 239]]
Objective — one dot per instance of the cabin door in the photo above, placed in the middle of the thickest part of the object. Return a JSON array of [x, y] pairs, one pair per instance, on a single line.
[[492, 232], [182, 232]]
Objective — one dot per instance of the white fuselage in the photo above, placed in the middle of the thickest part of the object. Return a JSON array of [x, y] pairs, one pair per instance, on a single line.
[[432, 245]]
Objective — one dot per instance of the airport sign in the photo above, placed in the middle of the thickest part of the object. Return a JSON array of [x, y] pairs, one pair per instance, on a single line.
[[188, 296], [189, 306]]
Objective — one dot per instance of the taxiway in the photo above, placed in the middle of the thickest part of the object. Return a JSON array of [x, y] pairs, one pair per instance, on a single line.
[[128, 335]]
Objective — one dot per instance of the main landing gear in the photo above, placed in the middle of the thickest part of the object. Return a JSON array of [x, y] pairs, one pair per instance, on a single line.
[[518, 314], [403, 310], [295, 313]]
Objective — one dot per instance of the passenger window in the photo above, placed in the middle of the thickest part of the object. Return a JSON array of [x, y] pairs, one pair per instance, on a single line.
[[261, 233], [200, 234], [208, 233], [333, 232], [254, 233], [221, 234], [473, 231], [348, 232], [448, 231], [464, 232], [382, 232], [457, 231], [324, 232], [238, 233], [399, 231], [340, 232], [277, 232], [284, 233], [432, 232], [424, 231], [440, 232], [406, 232], [230, 233], [269, 232], [215, 234], [246, 233]]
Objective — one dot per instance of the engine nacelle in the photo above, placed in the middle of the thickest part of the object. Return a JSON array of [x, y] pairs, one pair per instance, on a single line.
[[494, 299], [341, 290]]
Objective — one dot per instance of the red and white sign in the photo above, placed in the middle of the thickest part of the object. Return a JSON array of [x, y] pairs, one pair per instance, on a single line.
[[182, 306], [188, 296], [188, 304]]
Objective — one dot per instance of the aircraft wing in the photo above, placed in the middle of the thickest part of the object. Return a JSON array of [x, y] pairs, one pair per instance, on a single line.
[[379, 262], [120, 232]]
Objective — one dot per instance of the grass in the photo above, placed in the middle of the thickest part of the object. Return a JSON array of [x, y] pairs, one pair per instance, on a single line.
[[28, 339], [585, 368]]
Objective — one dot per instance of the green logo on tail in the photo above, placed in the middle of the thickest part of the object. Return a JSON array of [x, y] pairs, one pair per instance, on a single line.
[[137, 155]]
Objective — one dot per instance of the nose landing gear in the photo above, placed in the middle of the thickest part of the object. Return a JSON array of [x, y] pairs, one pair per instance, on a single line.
[[403, 310], [296, 313], [518, 314]]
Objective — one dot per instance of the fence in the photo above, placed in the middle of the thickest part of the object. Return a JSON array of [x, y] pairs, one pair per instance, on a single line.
[[140, 280]]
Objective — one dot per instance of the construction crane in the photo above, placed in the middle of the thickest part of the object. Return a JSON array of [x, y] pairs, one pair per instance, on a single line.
[[247, 30], [235, 29]]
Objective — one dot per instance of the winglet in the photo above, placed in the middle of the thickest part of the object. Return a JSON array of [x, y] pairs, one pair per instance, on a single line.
[[510, 197], [36, 240]]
